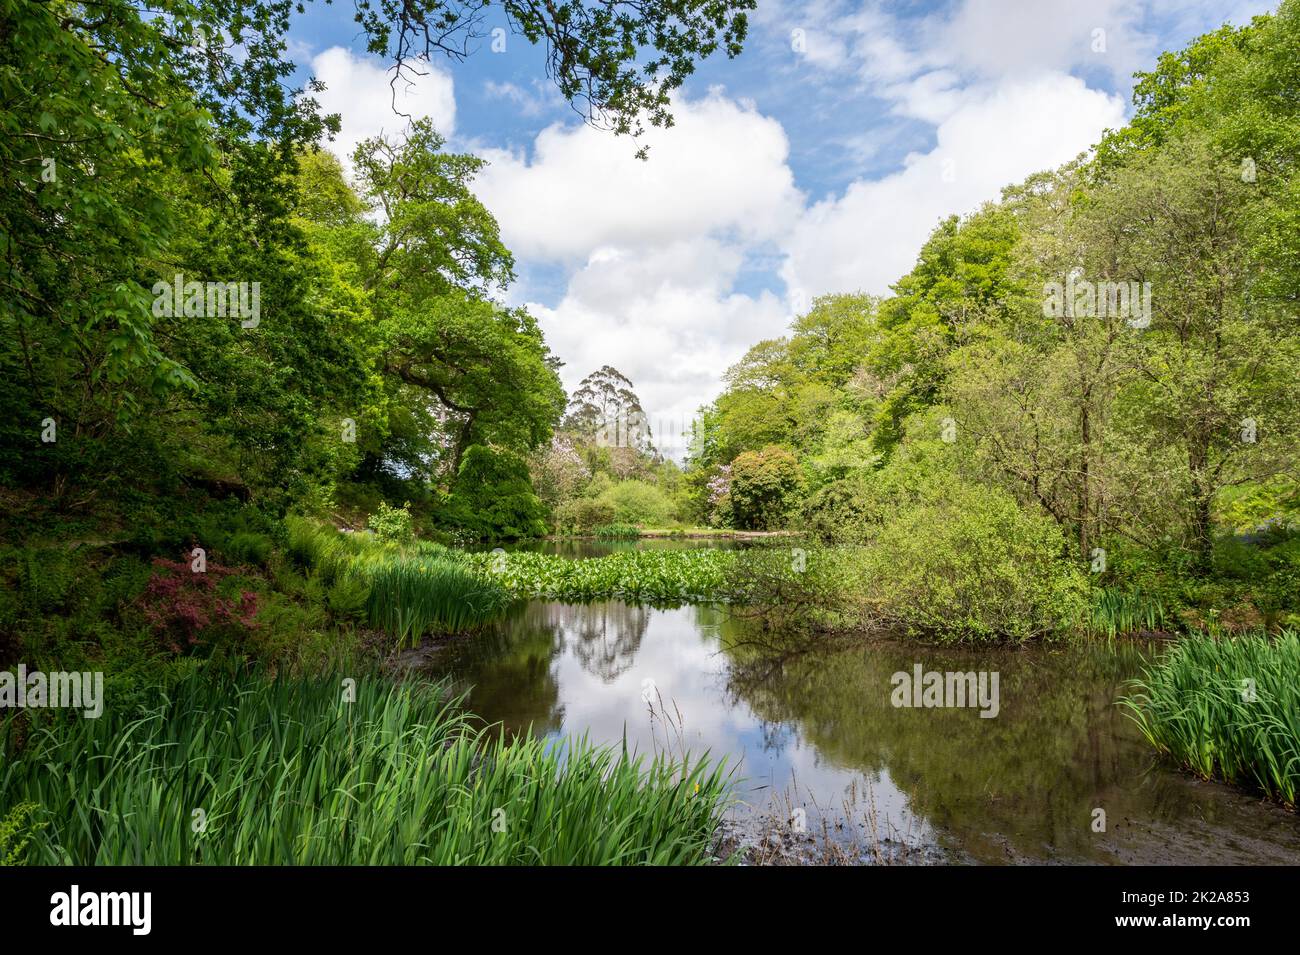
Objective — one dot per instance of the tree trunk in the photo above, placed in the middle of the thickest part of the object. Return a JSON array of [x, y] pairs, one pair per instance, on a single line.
[[1085, 490]]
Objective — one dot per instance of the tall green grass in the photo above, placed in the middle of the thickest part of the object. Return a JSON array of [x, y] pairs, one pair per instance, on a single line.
[[412, 590], [1118, 611], [410, 597], [1194, 704], [327, 552], [285, 772], [617, 532]]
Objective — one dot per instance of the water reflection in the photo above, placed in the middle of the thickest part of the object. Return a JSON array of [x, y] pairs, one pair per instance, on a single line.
[[1022, 786]]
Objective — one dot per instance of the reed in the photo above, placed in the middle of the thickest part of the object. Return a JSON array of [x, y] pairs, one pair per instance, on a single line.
[[232, 768], [617, 532], [1117, 611], [410, 597], [1227, 708], [413, 590]]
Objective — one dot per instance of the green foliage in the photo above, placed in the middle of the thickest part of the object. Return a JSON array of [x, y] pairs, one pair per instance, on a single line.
[[964, 272], [969, 564], [289, 773], [407, 591], [602, 468], [655, 577], [1227, 709], [410, 597], [392, 525], [583, 516], [794, 591], [493, 497], [765, 488], [1118, 611], [618, 66], [638, 502], [807, 392], [247, 547], [325, 551], [348, 596], [17, 828], [617, 532], [840, 512]]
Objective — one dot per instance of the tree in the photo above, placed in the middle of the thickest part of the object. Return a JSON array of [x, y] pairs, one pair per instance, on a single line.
[[459, 367], [962, 277], [605, 410], [1215, 392], [754, 409], [493, 497], [618, 63], [765, 486], [138, 143]]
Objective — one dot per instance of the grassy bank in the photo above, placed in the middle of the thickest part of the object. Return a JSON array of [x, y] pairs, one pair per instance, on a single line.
[[407, 590], [226, 769], [1229, 709]]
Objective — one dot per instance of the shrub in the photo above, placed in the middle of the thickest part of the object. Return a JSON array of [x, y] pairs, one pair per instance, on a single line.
[[392, 525], [583, 516], [638, 502], [46, 579], [764, 488], [16, 831], [247, 547], [186, 609], [840, 512], [494, 498], [348, 596], [794, 590], [969, 564]]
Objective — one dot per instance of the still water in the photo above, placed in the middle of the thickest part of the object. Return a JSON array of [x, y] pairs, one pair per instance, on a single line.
[[817, 732]]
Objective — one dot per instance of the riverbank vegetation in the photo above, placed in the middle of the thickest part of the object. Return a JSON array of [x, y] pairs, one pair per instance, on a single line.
[[654, 577], [1229, 709], [207, 328], [225, 768], [408, 588]]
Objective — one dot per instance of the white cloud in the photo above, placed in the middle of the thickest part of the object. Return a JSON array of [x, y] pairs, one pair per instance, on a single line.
[[982, 39], [869, 236], [528, 104], [369, 103], [994, 38], [665, 317], [653, 248], [931, 97], [721, 169]]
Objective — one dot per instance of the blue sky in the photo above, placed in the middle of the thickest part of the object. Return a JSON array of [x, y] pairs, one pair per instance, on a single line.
[[816, 162]]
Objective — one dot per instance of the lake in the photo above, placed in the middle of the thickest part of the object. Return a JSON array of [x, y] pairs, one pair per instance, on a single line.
[[817, 743]]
